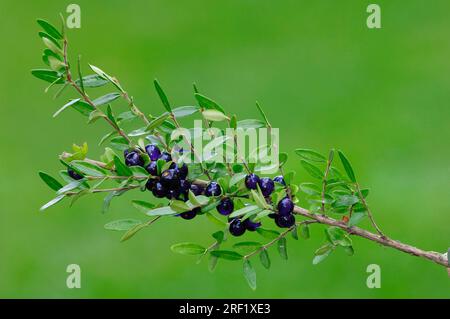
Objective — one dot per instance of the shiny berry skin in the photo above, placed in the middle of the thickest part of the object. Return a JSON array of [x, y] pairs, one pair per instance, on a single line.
[[190, 214], [267, 186], [225, 206], [237, 228], [166, 156], [213, 189], [173, 193], [279, 179], [250, 225], [185, 185], [150, 184], [74, 174], [251, 181], [181, 170], [285, 206], [285, 221], [152, 168], [125, 153], [134, 159], [159, 190], [153, 152], [170, 179], [196, 189]]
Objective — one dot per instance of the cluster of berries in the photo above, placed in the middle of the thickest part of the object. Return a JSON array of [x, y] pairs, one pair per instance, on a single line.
[[172, 183]]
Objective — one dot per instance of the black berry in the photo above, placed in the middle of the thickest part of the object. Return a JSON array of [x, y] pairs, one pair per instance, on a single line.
[[185, 185], [225, 206], [150, 184], [152, 168], [190, 214], [250, 225], [181, 170], [74, 174], [285, 206], [166, 156], [196, 189], [153, 152], [251, 181], [213, 189], [159, 190], [266, 184], [170, 179], [134, 159], [279, 179], [173, 193], [237, 228], [285, 221]]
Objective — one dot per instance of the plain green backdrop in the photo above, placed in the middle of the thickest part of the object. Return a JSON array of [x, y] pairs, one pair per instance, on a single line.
[[324, 79]]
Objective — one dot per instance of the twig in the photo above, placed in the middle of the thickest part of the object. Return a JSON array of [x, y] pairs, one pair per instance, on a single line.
[[369, 213]]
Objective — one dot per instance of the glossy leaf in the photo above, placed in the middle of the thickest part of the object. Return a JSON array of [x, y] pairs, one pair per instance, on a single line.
[[282, 248], [188, 249], [50, 181], [207, 103], [122, 224], [347, 166], [227, 254], [249, 274], [162, 96], [314, 171]]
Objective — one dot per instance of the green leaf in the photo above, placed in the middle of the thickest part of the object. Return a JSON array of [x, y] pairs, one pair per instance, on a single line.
[[50, 29], [262, 114], [227, 254], [282, 159], [83, 107], [282, 249], [262, 214], [121, 168], [322, 253], [105, 76], [304, 231], [132, 231], [50, 181], [213, 218], [88, 168], [250, 123], [52, 202], [310, 189], [188, 249], [161, 211], [162, 96], [207, 103], [249, 274], [247, 245], [338, 236], [71, 186], [244, 210], [214, 115], [143, 206], [180, 206], [91, 81], [310, 155], [294, 233], [212, 263], [345, 201], [48, 76], [184, 111], [264, 258], [356, 218], [236, 178], [349, 250], [314, 171], [219, 236], [157, 122], [122, 224], [105, 99], [267, 233], [348, 168], [259, 200]]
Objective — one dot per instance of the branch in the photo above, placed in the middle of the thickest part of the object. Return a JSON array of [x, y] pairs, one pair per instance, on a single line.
[[438, 258]]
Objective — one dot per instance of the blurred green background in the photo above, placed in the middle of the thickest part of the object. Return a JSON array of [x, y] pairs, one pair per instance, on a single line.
[[324, 79]]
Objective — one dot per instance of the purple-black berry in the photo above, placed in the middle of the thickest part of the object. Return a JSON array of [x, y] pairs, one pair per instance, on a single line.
[[170, 179], [267, 186], [197, 189], [134, 159], [213, 189], [153, 152], [150, 184], [190, 214], [251, 225], [159, 190], [285, 206], [225, 206], [185, 185], [285, 221], [152, 168], [279, 179], [237, 227], [166, 156], [251, 181], [74, 174], [182, 170]]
